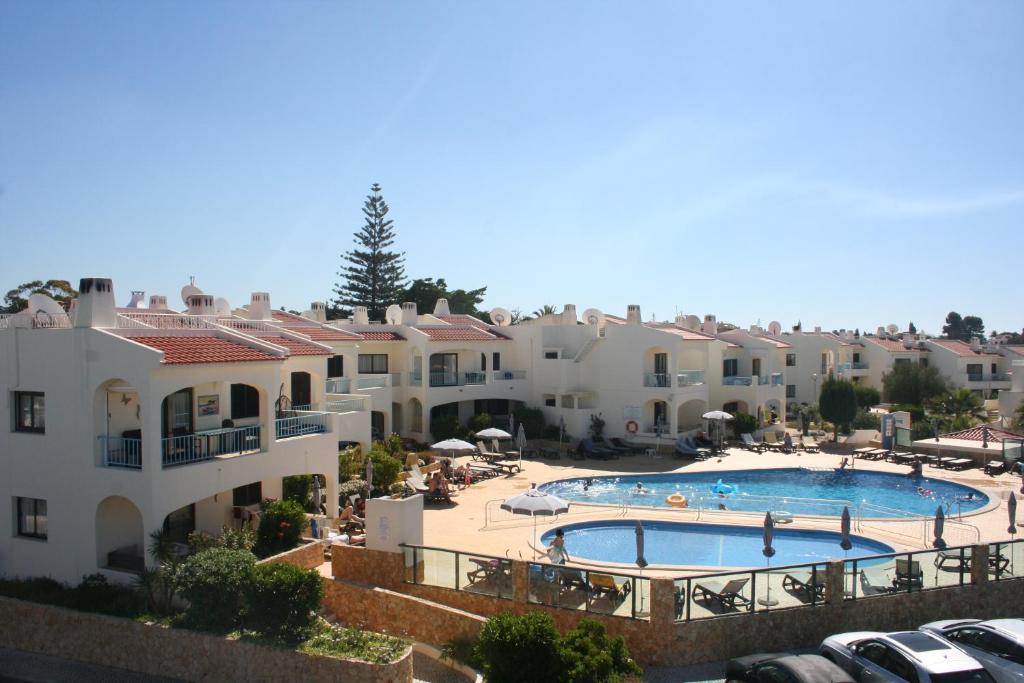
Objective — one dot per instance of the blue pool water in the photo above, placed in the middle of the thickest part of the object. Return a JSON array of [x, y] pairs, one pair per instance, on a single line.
[[779, 489], [712, 545]]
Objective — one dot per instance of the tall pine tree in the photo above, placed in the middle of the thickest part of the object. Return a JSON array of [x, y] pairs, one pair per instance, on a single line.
[[374, 276]]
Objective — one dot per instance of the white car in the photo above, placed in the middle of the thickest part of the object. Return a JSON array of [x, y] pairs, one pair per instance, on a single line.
[[998, 644], [902, 657]]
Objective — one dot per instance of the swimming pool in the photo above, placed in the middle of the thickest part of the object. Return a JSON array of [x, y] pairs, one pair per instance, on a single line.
[[711, 545], [793, 489]]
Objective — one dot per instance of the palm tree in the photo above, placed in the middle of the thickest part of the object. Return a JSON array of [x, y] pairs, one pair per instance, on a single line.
[[961, 407], [546, 309]]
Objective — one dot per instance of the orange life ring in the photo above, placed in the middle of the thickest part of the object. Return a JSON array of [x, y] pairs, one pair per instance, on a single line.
[[632, 427], [677, 500]]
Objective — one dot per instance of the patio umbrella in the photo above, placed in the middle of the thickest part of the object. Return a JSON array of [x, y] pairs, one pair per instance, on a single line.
[[940, 524], [844, 530], [1011, 507], [561, 431], [535, 503], [511, 423], [453, 445], [521, 444], [369, 477], [719, 416], [641, 561], [493, 433], [768, 551]]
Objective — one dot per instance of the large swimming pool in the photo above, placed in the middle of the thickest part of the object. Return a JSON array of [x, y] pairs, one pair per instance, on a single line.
[[711, 545], [796, 490]]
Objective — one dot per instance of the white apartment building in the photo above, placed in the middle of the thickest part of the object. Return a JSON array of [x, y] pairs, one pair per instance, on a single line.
[[980, 368]]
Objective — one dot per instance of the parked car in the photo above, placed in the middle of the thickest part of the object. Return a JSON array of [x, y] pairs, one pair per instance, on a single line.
[[998, 644], [915, 656], [784, 668]]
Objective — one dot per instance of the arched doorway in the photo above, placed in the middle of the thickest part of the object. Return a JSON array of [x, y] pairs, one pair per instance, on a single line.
[[656, 417], [415, 415], [689, 414], [119, 538], [302, 391]]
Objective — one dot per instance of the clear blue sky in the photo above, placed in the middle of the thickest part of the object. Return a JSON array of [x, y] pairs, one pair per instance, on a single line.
[[847, 165]]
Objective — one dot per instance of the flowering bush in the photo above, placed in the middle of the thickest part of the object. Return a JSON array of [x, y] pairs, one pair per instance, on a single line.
[[281, 526]]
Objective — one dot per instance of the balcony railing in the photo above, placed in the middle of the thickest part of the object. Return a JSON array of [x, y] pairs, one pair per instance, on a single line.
[[859, 366], [689, 378], [415, 379], [450, 378], [373, 381], [118, 451], [777, 379], [657, 379], [339, 385], [345, 405], [975, 377], [508, 375], [189, 448], [737, 381], [300, 425]]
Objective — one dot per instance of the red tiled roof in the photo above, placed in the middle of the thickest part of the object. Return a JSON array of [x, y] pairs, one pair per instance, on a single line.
[[679, 331], [321, 333], [778, 343], [959, 348], [297, 347], [381, 336], [203, 349], [286, 317], [894, 345], [462, 319], [975, 434], [614, 319], [460, 333]]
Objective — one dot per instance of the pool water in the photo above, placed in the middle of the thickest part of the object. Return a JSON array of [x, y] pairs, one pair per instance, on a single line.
[[711, 545], [796, 490]]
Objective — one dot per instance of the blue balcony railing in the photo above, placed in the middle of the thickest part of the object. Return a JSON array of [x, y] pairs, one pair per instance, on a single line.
[[339, 385], [736, 381], [345, 405], [205, 445], [300, 425], [118, 451], [777, 379], [508, 375], [689, 378]]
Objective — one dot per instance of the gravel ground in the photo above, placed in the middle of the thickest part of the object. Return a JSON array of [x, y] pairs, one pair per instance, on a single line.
[[17, 666]]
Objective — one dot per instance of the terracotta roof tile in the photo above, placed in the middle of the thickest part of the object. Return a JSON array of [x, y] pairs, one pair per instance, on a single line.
[[460, 333], [959, 348], [296, 347], [975, 434], [203, 349], [894, 345], [381, 336], [462, 319], [679, 331], [323, 333]]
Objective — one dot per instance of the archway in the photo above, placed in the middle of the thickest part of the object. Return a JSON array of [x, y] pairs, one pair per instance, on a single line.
[[656, 417], [688, 415], [415, 415], [119, 537], [397, 423]]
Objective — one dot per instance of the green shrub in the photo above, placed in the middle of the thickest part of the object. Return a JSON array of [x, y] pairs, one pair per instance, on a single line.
[[298, 488], [596, 426], [519, 648], [552, 432], [462, 649], [532, 420], [348, 462], [743, 423], [95, 594], [447, 427], [352, 643], [588, 655], [281, 526], [921, 430], [283, 600], [198, 541], [39, 589], [916, 411], [212, 582], [866, 420], [480, 422], [353, 487], [385, 469], [392, 445], [867, 397], [237, 539]]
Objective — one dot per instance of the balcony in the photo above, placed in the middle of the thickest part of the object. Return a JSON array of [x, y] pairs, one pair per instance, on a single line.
[[118, 451], [689, 378], [339, 385], [774, 379], [415, 379], [737, 381], [859, 366], [508, 375], [345, 405], [184, 449], [456, 379], [300, 425], [657, 379], [372, 382]]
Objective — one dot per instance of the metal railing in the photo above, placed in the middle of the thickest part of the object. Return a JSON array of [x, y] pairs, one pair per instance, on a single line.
[[859, 366], [118, 451], [1006, 560], [345, 405], [189, 448], [339, 385], [300, 425], [737, 380], [719, 594], [657, 379], [450, 378], [895, 573], [508, 375], [496, 518], [243, 325], [373, 381], [607, 592], [689, 378], [474, 378], [168, 321], [456, 570]]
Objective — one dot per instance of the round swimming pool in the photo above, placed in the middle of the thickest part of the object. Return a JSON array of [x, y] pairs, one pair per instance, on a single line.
[[796, 490], [711, 545]]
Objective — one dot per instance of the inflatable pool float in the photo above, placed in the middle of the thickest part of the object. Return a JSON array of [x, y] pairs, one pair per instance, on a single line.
[[722, 489], [782, 517], [677, 501]]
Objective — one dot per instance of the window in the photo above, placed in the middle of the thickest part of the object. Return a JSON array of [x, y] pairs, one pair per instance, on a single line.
[[730, 367], [790, 360], [551, 355], [483, 362], [373, 363], [336, 366], [901, 361], [32, 518], [29, 412], [790, 391], [495, 361], [250, 494], [444, 369], [549, 401], [856, 358], [974, 371], [245, 401]]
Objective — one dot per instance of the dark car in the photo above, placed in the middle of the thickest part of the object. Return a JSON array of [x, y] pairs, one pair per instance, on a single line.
[[785, 668]]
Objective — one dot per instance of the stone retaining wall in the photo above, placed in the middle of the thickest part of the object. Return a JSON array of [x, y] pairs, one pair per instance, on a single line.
[[175, 653], [308, 556]]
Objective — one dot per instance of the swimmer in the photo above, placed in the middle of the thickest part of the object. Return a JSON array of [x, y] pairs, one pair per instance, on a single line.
[[587, 483], [842, 465], [640, 488]]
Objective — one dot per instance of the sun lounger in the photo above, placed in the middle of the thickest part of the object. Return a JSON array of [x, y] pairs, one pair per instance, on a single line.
[[960, 464], [809, 444], [414, 479], [686, 447], [944, 557], [605, 584], [862, 452], [909, 575], [747, 441], [632, 448], [590, 450], [725, 593], [903, 457], [482, 452], [489, 570], [945, 461], [875, 580], [810, 584], [572, 578], [877, 454], [772, 442], [995, 467]]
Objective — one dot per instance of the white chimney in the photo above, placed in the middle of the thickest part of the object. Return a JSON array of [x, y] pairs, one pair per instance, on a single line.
[[259, 306], [881, 332], [817, 329], [633, 314], [710, 325], [96, 306], [569, 314], [409, 314], [755, 329], [138, 299], [976, 343], [681, 321], [319, 309], [359, 316], [157, 302], [441, 307], [200, 304]]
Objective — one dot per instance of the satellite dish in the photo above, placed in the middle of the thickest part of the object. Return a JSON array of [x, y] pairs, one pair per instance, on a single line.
[[221, 306], [393, 314], [40, 302], [892, 329], [501, 317], [774, 328], [592, 316], [187, 291], [692, 322]]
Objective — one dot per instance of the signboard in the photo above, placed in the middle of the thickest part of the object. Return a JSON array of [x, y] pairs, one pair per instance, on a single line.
[[632, 413], [888, 431]]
